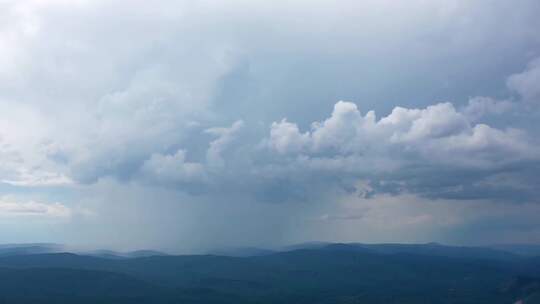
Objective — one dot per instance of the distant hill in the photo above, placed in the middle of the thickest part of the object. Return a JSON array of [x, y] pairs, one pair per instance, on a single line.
[[38, 248], [308, 245], [521, 249], [429, 249], [33, 248], [330, 273], [110, 254], [242, 252]]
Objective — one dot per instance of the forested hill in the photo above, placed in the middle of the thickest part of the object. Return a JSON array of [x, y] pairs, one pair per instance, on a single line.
[[329, 273]]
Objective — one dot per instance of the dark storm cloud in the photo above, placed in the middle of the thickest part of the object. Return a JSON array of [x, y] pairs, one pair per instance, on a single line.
[[177, 113]]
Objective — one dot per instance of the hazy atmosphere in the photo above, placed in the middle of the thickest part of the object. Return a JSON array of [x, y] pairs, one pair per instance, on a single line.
[[187, 126]]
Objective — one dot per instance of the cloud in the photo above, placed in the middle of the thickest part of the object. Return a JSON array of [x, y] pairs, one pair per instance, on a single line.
[[526, 82], [38, 178], [173, 168], [33, 209], [437, 134], [392, 218], [114, 96], [341, 217], [436, 121], [479, 107], [438, 151], [224, 137], [130, 108], [286, 137]]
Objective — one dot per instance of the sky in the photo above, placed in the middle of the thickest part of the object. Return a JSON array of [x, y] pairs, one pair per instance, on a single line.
[[188, 126]]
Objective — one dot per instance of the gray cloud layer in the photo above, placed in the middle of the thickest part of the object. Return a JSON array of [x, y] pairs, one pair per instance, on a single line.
[[201, 116]]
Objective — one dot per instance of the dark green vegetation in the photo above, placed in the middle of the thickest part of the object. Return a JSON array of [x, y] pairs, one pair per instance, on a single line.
[[326, 273]]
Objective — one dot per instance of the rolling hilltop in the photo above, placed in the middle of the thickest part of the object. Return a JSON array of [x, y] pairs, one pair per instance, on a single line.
[[327, 273]]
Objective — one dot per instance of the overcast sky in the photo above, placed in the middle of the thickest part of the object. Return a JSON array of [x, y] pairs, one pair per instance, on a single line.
[[192, 125]]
